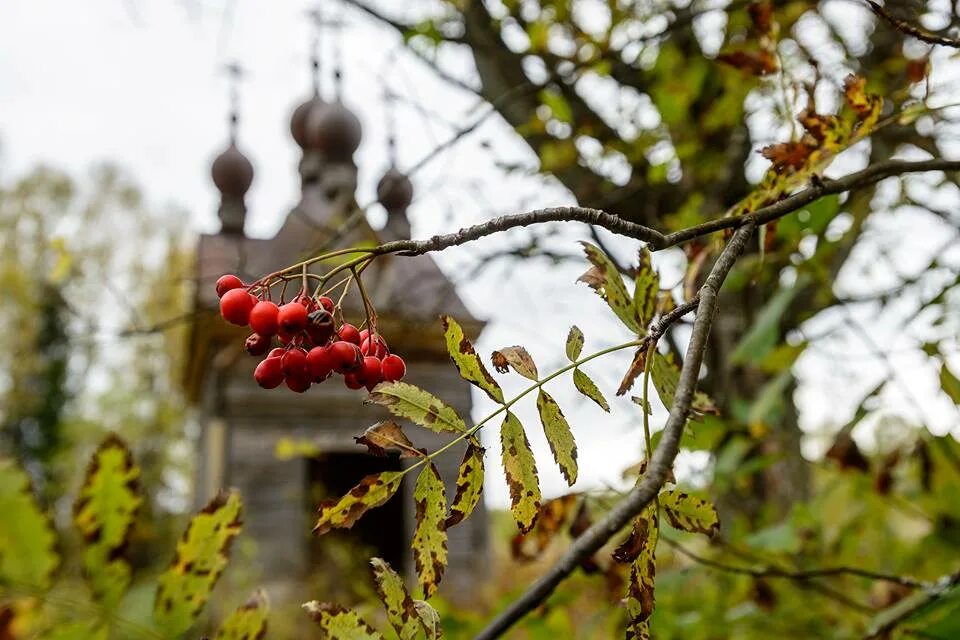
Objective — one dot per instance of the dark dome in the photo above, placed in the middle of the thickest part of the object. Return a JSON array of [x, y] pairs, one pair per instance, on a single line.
[[394, 191], [334, 131], [232, 173], [300, 117]]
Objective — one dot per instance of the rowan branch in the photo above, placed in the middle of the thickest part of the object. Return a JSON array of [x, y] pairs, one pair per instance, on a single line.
[[660, 462], [894, 616], [909, 29]]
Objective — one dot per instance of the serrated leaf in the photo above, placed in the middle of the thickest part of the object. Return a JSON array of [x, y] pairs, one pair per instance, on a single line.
[[553, 515], [520, 470], [690, 513], [574, 343], [559, 437], [405, 400], [339, 623], [646, 289], [588, 387], [950, 384], [640, 598], [104, 513], [201, 556], [518, 358], [387, 436], [27, 540], [604, 278], [430, 535], [467, 361], [469, 484], [248, 621], [666, 376], [401, 610], [429, 620], [371, 492], [633, 371]]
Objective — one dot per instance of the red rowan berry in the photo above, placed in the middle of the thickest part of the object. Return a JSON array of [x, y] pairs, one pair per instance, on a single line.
[[294, 363], [321, 362], [349, 333], [228, 283], [257, 344], [299, 383], [346, 357], [375, 346], [292, 317], [352, 381], [370, 373], [268, 373], [393, 368], [263, 318], [277, 352], [326, 303], [235, 306]]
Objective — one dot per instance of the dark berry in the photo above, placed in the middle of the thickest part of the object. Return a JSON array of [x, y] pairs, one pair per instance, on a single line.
[[320, 327], [349, 333], [257, 344], [263, 318], [268, 373], [228, 283], [235, 306], [393, 368], [292, 317]]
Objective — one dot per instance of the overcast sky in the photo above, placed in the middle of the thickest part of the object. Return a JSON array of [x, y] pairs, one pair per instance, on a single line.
[[142, 84]]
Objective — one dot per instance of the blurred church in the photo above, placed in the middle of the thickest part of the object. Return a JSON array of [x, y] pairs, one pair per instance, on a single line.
[[242, 424]]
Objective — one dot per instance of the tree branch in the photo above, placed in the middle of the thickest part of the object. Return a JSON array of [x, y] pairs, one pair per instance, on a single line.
[[911, 30], [660, 463], [891, 617]]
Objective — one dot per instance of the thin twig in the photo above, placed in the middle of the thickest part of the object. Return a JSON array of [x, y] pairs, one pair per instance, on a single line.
[[911, 30]]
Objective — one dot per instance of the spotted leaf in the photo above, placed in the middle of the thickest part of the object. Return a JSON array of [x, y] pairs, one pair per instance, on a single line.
[[27, 540], [469, 484], [550, 522], [588, 387], [605, 279], [372, 491], [104, 513], [467, 361], [867, 106], [666, 376], [518, 358], [640, 599], [404, 400], [633, 371], [574, 343], [690, 513], [201, 556], [429, 619], [401, 610], [387, 436], [559, 436], [339, 623], [248, 622], [646, 288], [430, 535], [520, 470]]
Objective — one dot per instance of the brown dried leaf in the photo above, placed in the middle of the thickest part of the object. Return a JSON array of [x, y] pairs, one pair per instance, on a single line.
[[387, 436], [518, 358], [758, 63], [788, 156], [553, 515], [636, 368]]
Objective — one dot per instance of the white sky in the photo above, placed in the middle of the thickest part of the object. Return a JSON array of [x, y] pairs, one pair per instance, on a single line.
[[141, 83]]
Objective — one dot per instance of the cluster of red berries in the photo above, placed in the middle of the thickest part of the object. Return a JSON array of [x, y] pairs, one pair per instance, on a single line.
[[312, 347]]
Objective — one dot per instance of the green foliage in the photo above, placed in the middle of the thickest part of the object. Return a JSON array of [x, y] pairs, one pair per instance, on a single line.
[[574, 344], [666, 375], [407, 401], [338, 623], [27, 555], [201, 556], [372, 491], [467, 361], [469, 484], [604, 278], [559, 436], [520, 470], [690, 513], [588, 387], [430, 535], [400, 607], [248, 622], [104, 513]]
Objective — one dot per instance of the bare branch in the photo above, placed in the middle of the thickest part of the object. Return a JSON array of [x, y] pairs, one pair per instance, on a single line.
[[892, 617], [660, 463], [911, 30]]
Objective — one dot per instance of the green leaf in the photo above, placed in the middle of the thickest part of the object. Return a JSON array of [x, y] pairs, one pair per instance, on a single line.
[[339, 623], [605, 279], [764, 334], [430, 535], [467, 361], [429, 619], [643, 539], [104, 513], [646, 288], [469, 484], [666, 376], [518, 358], [200, 558], [371, 492], [574, 343], [559, 107], [588, 387], [27, 540], [407, 401], [520, 470], [689, 513], [387, 436], [75, 630], [557, 429], [401, 610], [638, 630], [950, 384], [249, 621]]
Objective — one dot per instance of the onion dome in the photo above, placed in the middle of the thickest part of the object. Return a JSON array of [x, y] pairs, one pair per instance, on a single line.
[[300, 118], [232, 172], [334, 131], [394, 191]]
